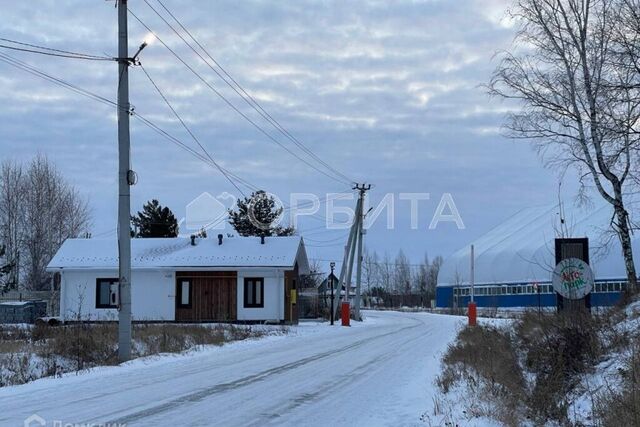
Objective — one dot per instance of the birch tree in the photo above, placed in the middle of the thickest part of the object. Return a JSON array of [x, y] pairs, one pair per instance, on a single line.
[[39, 210], [371, 269], [572, 71], [402, 274], [11, 192]]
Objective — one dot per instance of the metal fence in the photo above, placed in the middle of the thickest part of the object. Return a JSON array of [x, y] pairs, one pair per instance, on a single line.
[[310, 306], [51, 298]]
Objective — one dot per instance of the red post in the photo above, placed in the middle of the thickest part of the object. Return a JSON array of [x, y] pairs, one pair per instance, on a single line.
[[345, 314], [473, 314]]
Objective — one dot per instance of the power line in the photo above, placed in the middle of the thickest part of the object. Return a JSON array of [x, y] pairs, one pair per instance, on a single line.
[[236, 87], [341, 236], [150, 124], [222, 170], [231, 105], [51, 52], [34, 71], [56, 50], [319, 200], [323, 229], [191, 133], [390, 264]]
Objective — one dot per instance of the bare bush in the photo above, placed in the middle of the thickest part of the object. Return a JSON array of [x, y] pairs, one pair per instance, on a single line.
[[30, 353], [485, 358], [529, 370], [621, 406]]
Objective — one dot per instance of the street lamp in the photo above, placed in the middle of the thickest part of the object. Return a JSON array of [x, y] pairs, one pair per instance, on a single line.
[[333, 265]]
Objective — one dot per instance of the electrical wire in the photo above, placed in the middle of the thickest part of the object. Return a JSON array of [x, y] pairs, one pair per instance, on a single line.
[[222, 170], [184, 125], [52, 52], [236, 87], [391, 264], [34, 71], [341, 237], [150, 124], [230, 104]]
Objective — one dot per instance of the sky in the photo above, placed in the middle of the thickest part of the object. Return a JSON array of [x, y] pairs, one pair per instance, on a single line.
[[387, 93]]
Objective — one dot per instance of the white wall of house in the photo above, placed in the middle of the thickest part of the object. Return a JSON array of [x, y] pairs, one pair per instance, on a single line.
[[152, 295], [273, 296]]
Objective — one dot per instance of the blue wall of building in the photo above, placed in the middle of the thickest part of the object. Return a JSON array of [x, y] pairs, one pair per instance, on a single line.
[[445, 298]]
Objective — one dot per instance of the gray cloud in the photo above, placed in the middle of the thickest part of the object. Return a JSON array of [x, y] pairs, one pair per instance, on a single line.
[[386, 92]]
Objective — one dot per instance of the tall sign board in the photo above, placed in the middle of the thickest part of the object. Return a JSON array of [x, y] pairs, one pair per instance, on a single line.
[[572, 261]]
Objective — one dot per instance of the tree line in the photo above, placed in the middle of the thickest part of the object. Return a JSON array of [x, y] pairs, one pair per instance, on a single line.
[[39, 210], [383, 276], [255, 215]]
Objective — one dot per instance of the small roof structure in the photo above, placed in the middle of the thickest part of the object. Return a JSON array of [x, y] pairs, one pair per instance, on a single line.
[[522, 250], [325, 286], [178, 252]]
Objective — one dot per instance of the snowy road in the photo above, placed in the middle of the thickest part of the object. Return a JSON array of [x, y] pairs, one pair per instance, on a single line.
[[377, 373]]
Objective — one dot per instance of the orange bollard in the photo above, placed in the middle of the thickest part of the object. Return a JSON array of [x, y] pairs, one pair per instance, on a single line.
[[345, 314], [473, 314]]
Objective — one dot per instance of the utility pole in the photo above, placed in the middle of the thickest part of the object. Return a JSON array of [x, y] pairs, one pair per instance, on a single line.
[[471, 307], [473, 274], [362, 190], [352, 252], [125, 179], [346, 260], [333, 266], [354, 242]]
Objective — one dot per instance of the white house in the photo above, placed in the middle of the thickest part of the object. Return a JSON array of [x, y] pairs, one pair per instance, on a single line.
[[182, 279]]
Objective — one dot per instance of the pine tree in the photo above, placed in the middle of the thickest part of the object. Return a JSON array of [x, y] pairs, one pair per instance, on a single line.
[[258, 216], [154, 221]]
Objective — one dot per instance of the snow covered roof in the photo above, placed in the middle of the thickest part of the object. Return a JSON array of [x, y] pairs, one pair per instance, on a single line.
[[178, 252], [522, 249]]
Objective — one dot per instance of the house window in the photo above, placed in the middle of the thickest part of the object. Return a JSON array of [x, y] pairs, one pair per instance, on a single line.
[[107, 293], [183, 294], [253, 292]]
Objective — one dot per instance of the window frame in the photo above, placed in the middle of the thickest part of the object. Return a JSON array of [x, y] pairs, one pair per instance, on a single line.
[[110, 281], [255, 281], [179, 282]]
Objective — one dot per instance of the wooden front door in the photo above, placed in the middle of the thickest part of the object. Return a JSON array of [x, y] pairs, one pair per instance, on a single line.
[[212, 296]]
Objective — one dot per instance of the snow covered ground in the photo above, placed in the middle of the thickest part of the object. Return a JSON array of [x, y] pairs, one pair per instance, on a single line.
[[379, 372]]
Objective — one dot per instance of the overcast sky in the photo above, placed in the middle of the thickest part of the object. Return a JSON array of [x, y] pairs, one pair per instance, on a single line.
[[386, 92]]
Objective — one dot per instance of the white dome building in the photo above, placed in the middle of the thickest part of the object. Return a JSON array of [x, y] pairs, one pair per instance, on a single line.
[[514, 261]]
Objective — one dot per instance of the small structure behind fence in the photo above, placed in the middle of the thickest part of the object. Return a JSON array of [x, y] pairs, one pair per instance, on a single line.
[[22, 311], [26, 306]]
